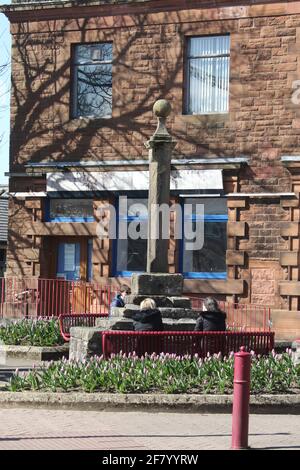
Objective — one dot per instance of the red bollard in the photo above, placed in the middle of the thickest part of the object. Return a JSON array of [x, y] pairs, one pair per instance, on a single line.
[[241, 398]]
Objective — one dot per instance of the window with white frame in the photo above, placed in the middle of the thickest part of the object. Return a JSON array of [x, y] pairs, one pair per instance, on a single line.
[[92, 80], [208, 63]]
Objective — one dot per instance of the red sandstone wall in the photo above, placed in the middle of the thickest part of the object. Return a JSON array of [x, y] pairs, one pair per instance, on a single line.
[[149, 63], [149, 52]]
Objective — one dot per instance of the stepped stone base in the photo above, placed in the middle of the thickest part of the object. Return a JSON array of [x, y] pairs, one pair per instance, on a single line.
[[86, 342], [165, 289]]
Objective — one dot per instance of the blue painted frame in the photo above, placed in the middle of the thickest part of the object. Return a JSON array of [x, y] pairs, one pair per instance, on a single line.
[[187, 275], [217, 218]]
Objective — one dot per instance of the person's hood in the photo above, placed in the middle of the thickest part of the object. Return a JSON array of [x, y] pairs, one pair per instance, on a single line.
[[144, 316]]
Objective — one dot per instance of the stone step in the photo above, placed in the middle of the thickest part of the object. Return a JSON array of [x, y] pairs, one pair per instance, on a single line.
[[160, 300], [166, 312], [121, 323]]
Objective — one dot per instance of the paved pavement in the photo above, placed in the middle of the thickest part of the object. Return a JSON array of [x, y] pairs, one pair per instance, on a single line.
[[99, 430]]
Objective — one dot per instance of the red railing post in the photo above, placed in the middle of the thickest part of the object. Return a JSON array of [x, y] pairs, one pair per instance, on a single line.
[[241, 398]]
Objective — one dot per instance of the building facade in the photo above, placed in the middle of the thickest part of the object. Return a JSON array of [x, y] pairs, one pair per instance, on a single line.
[[85, 76]]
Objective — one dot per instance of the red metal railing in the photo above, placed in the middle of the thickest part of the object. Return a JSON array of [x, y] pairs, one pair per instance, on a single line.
[[185, 342], [66, 322], [32, 297]]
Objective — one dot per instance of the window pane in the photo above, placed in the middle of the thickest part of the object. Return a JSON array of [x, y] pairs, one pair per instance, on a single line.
[[71, 208], [208, 71], [132, 254], [137, 207], [93, 80], [212, 257], [214, 205], [209, 46], [94, 90], [93, 52]]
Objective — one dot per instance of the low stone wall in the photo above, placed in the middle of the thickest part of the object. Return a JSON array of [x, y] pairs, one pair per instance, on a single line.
[[149, 402], [31, 354]]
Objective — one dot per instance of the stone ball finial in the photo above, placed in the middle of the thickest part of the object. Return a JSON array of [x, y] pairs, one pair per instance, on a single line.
[[162, 108]]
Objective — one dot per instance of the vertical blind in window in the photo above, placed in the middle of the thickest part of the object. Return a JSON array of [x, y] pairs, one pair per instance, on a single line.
[[208, 74]]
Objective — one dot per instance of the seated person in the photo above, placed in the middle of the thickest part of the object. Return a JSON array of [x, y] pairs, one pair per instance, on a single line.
[[119, 300], [212, 318], [148, 318]]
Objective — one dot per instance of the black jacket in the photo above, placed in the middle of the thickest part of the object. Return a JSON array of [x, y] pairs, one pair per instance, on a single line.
[[148, 320], [211, 321]]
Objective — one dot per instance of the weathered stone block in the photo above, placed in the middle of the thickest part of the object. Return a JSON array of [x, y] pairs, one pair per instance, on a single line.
[[157, 284], [289, 258], [85, 342], [235, 258]]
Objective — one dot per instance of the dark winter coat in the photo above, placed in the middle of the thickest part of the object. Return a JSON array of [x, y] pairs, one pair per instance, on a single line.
[[211, 321], [148, 320]]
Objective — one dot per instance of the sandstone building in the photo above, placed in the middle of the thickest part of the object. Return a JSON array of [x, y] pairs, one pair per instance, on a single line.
[[85, 75]]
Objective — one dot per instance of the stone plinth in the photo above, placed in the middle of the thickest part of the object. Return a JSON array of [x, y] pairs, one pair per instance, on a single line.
[[161, 284]]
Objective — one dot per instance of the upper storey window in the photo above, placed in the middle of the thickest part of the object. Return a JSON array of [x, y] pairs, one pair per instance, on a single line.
[[92, 80], [208, 61]]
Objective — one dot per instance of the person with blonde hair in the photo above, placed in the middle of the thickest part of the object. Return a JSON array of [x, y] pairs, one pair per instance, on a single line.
[[148, 318]]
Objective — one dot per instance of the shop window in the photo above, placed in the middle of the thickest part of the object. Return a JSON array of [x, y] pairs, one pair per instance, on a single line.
[[209, 262], [131, 251]]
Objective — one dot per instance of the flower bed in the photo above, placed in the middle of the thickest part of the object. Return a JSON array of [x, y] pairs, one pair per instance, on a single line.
[[25, 332], [162, 373]]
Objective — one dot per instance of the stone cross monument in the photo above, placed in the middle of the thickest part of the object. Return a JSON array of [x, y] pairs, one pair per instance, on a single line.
[[166, 289], [157, 280], [160, 148]]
